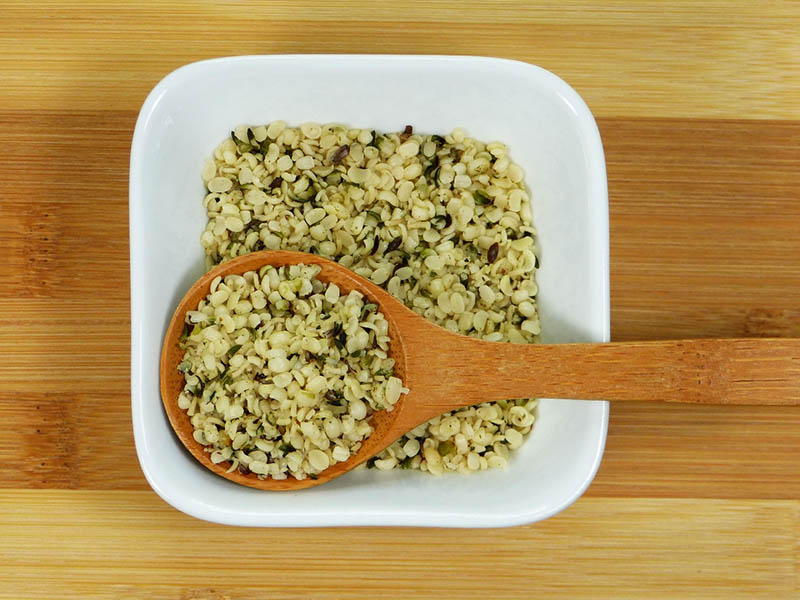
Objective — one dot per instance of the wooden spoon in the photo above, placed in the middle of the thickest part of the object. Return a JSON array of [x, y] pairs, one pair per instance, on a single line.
[[445, 371]]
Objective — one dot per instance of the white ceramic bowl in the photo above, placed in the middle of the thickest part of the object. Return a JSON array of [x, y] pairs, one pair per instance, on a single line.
[[550, 133]]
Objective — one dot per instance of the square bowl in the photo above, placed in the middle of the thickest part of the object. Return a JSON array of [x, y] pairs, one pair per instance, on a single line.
[[549, 131]]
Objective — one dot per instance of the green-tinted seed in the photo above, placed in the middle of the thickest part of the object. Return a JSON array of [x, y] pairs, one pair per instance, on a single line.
[[446, 448], [481, 198]]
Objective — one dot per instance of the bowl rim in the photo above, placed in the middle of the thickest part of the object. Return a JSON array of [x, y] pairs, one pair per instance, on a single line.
[[596, 175]]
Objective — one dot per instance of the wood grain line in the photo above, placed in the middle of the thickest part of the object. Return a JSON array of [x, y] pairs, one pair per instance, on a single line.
[[64, 347], [670, 452], [690, 257], [68, 441], [733, 60], [64, 204], [575, 12], [131, 545], [702, 453]]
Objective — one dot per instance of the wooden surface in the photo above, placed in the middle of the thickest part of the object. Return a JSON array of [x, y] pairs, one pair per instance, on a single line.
[[698, 104]]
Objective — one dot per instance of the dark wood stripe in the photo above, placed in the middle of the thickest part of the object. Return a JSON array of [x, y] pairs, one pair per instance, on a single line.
[[704, 242]]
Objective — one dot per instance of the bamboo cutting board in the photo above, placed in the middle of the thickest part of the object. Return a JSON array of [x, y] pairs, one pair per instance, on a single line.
[[698, 104]]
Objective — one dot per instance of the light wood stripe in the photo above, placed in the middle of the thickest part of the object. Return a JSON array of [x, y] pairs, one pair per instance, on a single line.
[[131, 545], [699, 59]]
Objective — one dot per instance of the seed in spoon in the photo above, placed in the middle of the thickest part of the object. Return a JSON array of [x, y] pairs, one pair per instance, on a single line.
[[283, 372]]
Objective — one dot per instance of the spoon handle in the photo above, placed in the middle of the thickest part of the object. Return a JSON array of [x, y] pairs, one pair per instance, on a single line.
[[754, 371]]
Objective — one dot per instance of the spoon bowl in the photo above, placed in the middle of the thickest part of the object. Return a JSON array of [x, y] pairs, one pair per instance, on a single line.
[[172, 381], [444, 371]]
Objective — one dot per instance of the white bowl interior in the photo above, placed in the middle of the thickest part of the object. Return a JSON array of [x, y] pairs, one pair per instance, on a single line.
[[550, 133]]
